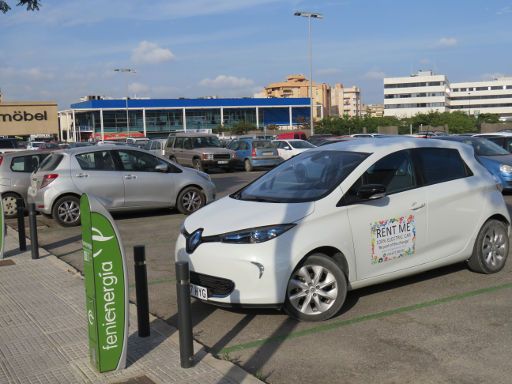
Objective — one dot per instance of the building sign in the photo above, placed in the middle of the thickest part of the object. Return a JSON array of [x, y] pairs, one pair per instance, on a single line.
[[393, 238], [106, 287], [25, 118]]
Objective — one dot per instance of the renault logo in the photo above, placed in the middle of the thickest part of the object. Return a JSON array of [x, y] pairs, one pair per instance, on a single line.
[[194, 240]]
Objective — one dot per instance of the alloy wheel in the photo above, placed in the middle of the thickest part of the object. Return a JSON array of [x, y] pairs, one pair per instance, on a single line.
[[68, 212], [494, 246], [10, 206], [312, 289], [191, 201]]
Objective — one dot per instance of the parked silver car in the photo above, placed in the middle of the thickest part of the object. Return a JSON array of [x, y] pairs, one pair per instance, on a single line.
[[122, 178], [156, 146], [15, 170]]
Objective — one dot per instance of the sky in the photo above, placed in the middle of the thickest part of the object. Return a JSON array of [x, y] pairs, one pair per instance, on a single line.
[[233, 48]]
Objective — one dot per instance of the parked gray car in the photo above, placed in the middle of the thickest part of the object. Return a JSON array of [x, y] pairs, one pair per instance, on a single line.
[[121, 177], [199, 150], [156, 146], [15, 171]]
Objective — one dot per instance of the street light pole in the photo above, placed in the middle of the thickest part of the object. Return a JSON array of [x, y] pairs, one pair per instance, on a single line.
[[310, 15], [126, 70], [469, 103]]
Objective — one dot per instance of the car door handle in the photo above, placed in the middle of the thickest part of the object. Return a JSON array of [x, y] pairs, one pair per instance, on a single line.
[[416, 206], [130, 177], [82, 175]]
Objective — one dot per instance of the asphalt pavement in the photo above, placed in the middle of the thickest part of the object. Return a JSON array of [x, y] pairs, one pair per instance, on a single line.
[[445, 326]]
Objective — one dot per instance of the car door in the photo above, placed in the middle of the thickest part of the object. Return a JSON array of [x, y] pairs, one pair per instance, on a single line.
[[234, 146], [95, 173], [144, 184], [453, 199], [390, 233]]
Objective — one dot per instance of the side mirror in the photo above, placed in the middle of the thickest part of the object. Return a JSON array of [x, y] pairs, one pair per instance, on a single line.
[[164, 168], [287, 148], [371, 192]]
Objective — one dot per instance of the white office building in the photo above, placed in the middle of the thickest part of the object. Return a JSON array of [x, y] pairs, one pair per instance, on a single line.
[[419, 93], [425, 91]]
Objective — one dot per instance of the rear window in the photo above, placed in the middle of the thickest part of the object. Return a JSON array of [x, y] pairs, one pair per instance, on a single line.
[[51, 162], [27, 163], [262, 144]]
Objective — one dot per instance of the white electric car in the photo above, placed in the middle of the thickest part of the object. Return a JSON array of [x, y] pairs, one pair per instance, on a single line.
[[346, 216]]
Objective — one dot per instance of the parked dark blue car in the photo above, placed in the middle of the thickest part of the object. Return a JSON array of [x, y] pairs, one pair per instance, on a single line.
[[497, 160], [253, 153]]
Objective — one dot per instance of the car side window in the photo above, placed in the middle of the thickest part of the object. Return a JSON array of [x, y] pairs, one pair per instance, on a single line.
[[234, 146], [508, 144], [395, 171], [243, 146], [26, 164], [441, 164], [178, 142], [96, 161], [139, 161], [187, 143]]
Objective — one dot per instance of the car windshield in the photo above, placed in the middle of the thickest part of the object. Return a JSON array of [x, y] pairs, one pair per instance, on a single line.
[[301, 144], [306, 177], [205, 141], [484, 147]]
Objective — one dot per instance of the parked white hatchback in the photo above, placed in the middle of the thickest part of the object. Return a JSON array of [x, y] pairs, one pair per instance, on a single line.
[[346, 216], [289, 148]]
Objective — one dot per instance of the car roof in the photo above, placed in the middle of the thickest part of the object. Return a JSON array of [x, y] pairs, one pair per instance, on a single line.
[[391, 144], [96, 148], [191, 134], [494, 134], [25, 153]]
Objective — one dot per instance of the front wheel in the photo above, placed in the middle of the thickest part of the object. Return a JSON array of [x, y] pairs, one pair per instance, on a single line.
[[491, 248], [66, 211], [190, 200], [316, 290]]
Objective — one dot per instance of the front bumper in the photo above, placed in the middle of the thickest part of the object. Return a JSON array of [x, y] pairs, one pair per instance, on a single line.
[[259, 272]]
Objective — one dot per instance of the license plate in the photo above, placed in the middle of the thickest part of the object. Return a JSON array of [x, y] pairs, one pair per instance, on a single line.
[[268, 153], [222, 162], [199, 292]]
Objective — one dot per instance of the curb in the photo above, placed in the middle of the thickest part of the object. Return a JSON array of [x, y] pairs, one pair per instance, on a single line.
[[230, 370]]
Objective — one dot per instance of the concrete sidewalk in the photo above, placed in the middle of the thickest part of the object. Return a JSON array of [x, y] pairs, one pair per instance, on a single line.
[[43, 332]]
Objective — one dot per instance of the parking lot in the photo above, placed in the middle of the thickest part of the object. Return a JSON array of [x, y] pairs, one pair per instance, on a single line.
[[445, 326]]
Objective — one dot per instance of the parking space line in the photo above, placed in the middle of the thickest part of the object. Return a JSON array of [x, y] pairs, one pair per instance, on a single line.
[[360, 319], [157, 281]]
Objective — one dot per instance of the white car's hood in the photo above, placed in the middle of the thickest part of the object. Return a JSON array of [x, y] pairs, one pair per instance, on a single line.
[[228, 215]]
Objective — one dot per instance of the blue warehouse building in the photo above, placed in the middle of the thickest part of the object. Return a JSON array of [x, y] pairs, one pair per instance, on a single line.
[[108, 118]]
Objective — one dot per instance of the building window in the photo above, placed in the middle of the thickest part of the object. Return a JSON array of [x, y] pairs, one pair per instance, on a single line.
[[497, 87]]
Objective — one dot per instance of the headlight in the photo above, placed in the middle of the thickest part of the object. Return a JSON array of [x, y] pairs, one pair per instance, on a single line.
[[505, 168], [255, 235], [207, 156]]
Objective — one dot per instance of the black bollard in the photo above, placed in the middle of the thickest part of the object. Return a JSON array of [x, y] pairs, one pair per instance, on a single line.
[[184, 316], [22, 237], [141, 290], [34, 247]]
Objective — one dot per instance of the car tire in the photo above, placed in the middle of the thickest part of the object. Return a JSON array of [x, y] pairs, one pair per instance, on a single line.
[[491, 248], [316, 289], [10, 205], [66, 211], [190, 200], [248, 166], [196, 163]]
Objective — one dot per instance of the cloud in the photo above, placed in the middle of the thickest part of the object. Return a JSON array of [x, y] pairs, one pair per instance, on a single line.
[[223, 81], [504, 10], [447, 42], [151, 53], [138, 88], [31, 73], [374, 75]]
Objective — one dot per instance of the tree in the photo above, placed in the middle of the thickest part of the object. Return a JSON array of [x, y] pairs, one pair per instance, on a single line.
[[32, 5]]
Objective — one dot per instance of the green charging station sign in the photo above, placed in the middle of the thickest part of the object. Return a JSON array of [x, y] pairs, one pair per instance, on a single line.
[[106, 286], [2, 233]]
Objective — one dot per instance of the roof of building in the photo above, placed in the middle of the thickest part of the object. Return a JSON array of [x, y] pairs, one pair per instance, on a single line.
[[191, 103]]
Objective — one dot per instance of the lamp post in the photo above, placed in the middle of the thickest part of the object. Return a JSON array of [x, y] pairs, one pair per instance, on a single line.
[[469, 103], [126, 70], [310, 15]]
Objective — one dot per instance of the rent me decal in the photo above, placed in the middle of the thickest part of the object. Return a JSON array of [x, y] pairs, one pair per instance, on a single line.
[[392, 238]]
